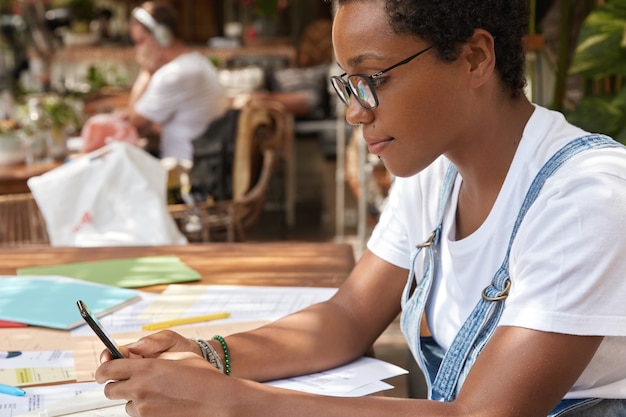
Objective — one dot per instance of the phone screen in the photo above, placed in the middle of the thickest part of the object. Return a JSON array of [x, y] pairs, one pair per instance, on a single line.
[[96, 326]]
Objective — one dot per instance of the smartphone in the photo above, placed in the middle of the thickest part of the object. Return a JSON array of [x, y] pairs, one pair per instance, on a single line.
[[96, 326]]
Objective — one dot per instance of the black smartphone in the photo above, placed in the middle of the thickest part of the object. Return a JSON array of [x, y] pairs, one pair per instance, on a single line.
[[96, 326]]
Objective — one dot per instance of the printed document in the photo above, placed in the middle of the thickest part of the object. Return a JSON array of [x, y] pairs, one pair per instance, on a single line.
[[361, 377], [26, 368]]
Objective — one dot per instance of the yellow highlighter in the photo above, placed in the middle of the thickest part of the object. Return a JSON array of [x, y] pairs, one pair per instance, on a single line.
[[187, 320]]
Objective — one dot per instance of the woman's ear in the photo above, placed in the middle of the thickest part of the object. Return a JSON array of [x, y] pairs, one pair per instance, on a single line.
[[480, 55]]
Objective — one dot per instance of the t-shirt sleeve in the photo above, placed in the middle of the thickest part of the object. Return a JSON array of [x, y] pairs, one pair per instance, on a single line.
[[567, 262], [159, 102], [389, 239], [171, 88]]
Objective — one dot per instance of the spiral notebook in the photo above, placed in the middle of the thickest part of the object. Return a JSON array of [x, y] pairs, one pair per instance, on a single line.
[[50, 301]]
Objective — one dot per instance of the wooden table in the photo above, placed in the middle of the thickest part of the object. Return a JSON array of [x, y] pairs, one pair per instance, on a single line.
[[273, 263], [13, 177], [277, 264]]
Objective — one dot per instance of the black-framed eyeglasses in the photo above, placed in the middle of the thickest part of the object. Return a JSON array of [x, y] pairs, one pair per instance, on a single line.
[[363, 86]]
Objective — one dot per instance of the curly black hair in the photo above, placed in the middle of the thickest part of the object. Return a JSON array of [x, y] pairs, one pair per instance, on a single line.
[[447, 24]]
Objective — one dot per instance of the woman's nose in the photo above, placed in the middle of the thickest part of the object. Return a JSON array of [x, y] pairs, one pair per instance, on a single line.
[[357, 114]]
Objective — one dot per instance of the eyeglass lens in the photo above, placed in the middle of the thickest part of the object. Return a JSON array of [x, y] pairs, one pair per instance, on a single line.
[[365, 94], [341, 90], [357, 85]]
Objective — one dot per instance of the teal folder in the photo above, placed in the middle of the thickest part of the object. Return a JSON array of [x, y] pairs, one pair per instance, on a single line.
[[50, 301], [127, 273]]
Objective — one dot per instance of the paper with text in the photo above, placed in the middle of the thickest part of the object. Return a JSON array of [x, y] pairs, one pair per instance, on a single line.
[[244, 303], [355, 379], [24, 368], [38, 398], [361, 377]]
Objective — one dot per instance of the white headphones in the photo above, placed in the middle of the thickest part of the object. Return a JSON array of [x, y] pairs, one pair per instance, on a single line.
[[161, 33]]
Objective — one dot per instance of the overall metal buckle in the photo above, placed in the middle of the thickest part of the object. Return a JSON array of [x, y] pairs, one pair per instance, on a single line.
[[429, 242], [503, 294]]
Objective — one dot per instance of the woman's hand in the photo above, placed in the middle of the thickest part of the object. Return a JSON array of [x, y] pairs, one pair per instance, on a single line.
[[155, 345], [177, 384]]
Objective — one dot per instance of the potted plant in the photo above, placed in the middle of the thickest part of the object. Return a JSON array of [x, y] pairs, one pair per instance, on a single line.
[[82, 13], [263, 15], [11, 149], [600, 61], [61, 117]]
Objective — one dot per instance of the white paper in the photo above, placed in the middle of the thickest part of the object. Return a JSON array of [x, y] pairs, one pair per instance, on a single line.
[[124, 320], [361, 377], [116, 411], [244, 303], [41, 397], [348, 380], [92, 401], [38, 358], [25, 368]]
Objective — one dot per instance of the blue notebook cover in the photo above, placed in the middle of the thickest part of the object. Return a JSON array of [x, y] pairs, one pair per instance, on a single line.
[[50, 301]]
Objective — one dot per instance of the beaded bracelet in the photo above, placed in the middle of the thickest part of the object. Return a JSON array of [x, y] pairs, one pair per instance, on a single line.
[[209, 354], [226, 353]]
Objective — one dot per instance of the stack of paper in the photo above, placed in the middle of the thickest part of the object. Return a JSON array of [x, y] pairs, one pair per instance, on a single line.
[[361, 377]]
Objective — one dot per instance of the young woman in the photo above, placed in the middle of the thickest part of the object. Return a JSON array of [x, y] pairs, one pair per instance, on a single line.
[[523, 293]]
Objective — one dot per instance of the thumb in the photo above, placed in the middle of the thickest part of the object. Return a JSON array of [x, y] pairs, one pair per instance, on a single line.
[[155, 344]]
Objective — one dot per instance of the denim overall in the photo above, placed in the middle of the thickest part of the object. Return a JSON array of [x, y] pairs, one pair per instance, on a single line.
[[445, 371]]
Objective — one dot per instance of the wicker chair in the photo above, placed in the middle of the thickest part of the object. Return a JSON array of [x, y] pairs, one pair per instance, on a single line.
[[260, 146], [21, 222]]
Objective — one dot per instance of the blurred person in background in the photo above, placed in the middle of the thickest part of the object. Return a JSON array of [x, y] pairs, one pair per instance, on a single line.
[[177, 92]]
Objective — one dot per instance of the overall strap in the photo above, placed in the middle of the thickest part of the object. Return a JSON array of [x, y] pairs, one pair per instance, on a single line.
[[422, 287], [483, 320]]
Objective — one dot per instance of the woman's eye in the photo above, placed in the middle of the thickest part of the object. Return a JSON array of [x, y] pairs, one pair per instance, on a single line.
[[376, 82]]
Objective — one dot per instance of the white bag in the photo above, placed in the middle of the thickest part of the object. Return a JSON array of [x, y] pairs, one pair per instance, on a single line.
[[114, 196]]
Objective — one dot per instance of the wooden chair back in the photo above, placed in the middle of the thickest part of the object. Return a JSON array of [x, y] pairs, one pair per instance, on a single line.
[[21, 222], [262, 125], [261, 140]]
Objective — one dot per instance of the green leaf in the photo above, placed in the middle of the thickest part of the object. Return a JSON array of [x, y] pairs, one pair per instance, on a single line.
[[598, 114], [601, 49]]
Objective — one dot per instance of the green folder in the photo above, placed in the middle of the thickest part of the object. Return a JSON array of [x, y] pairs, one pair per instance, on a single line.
[[126, 273]]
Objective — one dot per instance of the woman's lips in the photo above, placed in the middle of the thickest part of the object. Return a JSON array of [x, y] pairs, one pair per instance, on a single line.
[[377, 147]]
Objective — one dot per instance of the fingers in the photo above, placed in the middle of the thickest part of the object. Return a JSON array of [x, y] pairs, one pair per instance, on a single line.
[[130, 409], [114, 371], [178, 356], [106, 356], [158, 387], [164, 341]]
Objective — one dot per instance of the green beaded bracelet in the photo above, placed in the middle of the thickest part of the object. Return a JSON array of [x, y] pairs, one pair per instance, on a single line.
[[226, 353]]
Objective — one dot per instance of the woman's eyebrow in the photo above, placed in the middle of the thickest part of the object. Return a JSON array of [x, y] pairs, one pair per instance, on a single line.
[[359, 59]]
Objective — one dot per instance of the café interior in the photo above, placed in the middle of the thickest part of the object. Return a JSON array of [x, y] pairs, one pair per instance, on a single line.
[[282, 60], [303, 187]]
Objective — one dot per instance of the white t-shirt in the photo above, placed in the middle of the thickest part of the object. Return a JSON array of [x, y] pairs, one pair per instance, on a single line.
[[568, 260], [184, 96]]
